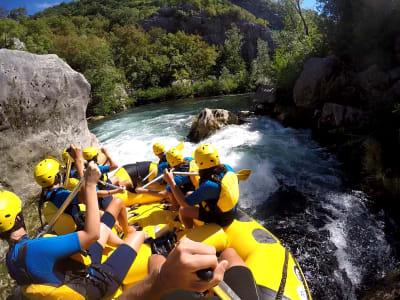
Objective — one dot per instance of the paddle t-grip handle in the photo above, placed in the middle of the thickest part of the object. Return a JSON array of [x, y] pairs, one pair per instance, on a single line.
[[205, 274]]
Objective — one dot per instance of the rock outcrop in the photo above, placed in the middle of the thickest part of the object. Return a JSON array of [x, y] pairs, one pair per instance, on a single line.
[[212, 29], [208, 121], [346, 110], [42, 110], [263, 10], [322, 79], [264, 99]]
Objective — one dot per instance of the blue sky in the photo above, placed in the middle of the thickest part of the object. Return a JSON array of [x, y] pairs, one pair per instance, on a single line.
[[34, 6]]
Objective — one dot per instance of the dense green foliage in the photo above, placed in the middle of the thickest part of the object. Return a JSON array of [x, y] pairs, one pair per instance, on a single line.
[[363, 32], [124, 63]]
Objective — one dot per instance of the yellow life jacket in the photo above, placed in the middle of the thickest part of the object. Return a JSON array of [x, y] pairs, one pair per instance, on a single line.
[[229, 195], [50, 292], [195, 169], [153, 165]]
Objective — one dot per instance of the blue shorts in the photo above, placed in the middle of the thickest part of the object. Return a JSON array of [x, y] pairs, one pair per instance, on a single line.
[[107, 277]]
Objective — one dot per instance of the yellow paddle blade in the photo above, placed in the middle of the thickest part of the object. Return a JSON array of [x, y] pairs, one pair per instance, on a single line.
[[180, 146], [243, 175]]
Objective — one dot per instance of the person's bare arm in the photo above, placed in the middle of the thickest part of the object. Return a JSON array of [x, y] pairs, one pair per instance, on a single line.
[[162, 194], [113, 163], [106, 193], [179, 272], [169, 178], [91, 232]]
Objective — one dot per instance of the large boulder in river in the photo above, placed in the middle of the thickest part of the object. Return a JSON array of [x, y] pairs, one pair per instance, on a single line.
[[208, 121], [42, 110]]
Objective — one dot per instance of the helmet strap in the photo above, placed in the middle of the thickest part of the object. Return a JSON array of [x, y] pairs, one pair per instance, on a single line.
[[19, 222]]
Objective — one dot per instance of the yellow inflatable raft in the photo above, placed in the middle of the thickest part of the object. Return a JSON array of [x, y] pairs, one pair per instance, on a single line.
[[273, 267]]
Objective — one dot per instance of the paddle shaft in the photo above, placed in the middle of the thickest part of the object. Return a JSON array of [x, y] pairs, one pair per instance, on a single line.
[[144, 179], [64, 205], [155, 180], [68, 171], [223, 290]]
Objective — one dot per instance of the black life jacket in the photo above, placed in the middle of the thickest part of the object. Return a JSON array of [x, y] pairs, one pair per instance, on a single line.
[[186, 187]]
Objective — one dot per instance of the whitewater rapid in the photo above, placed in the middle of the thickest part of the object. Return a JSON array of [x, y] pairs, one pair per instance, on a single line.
[[295, 188]]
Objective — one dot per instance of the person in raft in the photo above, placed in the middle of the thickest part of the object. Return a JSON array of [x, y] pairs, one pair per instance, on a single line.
[[47, 175], [137, 172], [218, 191], [175, 277], [185, 183], [106, 193], [140, 170], [46, 260], [159, 151]]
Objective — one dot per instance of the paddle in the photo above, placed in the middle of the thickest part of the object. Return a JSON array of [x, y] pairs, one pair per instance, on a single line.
[[111, 185], [242, 175], [64, 205], [154, 180], [180, 146], [151, 173], [68, 171]]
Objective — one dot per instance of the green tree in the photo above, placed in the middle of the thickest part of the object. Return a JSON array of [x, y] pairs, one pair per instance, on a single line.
[[18, 14], [10, 29], [39, 37], [230, 56], [261, 65]]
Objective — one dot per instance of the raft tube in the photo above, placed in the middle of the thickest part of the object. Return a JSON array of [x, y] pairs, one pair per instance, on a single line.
[[277, 274]]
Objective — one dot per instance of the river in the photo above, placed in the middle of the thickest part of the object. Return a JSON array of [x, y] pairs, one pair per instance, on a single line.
[[296, 189]]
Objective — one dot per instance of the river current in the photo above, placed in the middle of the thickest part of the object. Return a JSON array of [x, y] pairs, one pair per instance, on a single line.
[[296, 189]]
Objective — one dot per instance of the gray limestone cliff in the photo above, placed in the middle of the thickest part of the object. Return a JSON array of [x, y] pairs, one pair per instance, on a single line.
[[42, 110]]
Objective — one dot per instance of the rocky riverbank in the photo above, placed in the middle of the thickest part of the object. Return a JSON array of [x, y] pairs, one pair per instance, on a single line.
[[355, 114]]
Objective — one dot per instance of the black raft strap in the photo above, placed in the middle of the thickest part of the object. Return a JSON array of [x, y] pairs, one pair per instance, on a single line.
[[281, 289]]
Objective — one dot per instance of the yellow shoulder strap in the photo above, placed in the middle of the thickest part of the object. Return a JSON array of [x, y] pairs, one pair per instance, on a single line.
[[229, 192], [195, 169], [153, 167]]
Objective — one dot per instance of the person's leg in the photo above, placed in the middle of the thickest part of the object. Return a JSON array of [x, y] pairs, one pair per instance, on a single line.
[[173, 202], [238, 277], [118, 210], [115, 180], [187, 214]]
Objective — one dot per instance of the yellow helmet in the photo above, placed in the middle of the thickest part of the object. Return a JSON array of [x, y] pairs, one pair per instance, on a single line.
[[206, 156], [66, 156], [10, 207], [71, 184], [158, 148], [89, 153], [174, 157], [46, 171]]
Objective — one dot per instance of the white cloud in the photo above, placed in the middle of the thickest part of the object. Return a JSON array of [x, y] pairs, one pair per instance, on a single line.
[[45, 5]]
